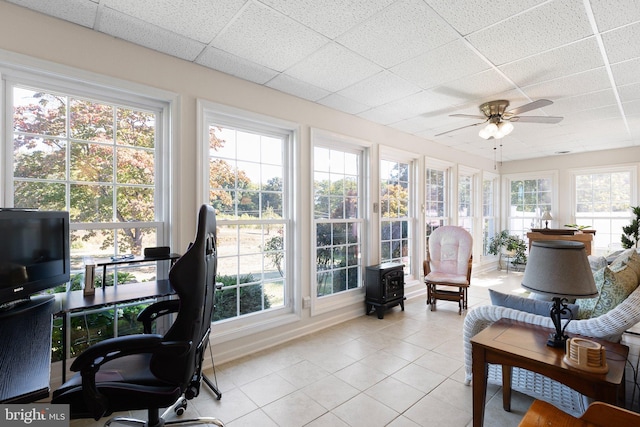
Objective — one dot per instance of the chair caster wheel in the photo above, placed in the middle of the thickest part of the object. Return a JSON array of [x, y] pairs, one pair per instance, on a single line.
[[179, 410]]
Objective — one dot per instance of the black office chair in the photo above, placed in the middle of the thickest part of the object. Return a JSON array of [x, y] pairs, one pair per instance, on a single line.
[[151, 371]]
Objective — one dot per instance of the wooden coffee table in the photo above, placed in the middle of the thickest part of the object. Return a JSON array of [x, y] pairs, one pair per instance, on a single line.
[[510, 343]]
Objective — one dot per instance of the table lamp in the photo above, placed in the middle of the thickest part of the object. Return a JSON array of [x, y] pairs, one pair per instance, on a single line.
[[546, 217], [559, 269]]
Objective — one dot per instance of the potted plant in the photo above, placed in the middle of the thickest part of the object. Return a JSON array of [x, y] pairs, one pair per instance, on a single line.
[[577, 228], [508, 244], [631, 232]]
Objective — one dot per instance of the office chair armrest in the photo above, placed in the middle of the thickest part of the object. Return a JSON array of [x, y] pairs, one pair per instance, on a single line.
[[113, 348], [90, 361], [156, 310]]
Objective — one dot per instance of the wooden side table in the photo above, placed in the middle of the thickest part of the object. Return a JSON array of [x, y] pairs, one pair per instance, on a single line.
[[510, 343]]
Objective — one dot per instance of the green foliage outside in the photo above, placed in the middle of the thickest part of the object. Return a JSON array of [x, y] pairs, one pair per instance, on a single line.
[[251, 297], [90, 328], [631, 235]]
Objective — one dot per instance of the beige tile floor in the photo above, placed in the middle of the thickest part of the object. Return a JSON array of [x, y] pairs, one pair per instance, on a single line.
[[400, 371]]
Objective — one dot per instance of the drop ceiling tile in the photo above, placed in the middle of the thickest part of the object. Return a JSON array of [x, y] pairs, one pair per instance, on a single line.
[[377, 116], [236, 66], [631, 107], [573, 85], [333, 67], [402, 31], [537, 30], [417, 104], [329, 17], [476, 86], [268, 38], [592, 115], [339, 102], [443, 64], [582, 102], [199, 20], [471, 15], [380, 89], [608, 13], [574, 58], [148, 35], [81, 12], [413, 125], [626, 72], [622, 44], [629, 92], [297, 88]]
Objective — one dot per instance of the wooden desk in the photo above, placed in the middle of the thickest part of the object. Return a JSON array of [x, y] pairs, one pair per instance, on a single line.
[[72, 301], [586, 238], [510, 343], [25, 356], [598, 414]]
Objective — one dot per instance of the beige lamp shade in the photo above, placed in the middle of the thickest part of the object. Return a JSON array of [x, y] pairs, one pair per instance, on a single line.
[[559, 268], [546, 216]]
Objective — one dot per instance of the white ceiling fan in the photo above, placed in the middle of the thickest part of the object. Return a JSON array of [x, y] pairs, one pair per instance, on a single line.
[[500, 120]]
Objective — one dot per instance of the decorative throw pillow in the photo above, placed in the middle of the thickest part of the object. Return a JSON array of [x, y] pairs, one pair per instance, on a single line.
[[597, 262], [613, 288], [622, 260], [530, 305]]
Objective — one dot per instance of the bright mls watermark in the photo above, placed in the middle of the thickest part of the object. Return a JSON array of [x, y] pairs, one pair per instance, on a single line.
[[34, 414]]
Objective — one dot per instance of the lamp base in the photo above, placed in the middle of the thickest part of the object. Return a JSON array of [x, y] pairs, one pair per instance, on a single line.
[[558, 338], [556, 341]]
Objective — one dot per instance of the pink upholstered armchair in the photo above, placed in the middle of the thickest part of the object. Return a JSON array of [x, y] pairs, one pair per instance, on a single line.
[[448, 265]]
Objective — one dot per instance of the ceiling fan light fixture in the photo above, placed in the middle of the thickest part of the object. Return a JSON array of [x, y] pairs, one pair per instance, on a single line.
[[484, 133], [505, 127]]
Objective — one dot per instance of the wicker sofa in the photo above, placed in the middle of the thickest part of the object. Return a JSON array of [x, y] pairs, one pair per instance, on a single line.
[[609, 326]]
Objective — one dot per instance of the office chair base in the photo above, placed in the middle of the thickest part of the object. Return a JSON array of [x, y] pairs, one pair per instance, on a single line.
[[186, 422], [154, 421]]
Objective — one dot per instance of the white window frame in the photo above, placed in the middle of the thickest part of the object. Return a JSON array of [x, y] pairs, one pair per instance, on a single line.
[[213, 113], [450, 196], [22, 70], [506, 191], [632, 169], [494, 179], [327, 139], [38, 73], [413, 160]]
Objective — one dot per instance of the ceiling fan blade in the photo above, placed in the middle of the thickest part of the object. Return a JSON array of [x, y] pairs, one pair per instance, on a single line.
[[540, 103], [469, 116], [467, 126], [536, 119]]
